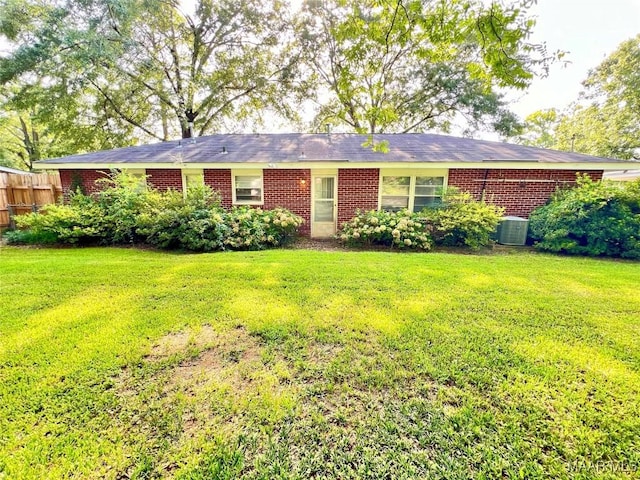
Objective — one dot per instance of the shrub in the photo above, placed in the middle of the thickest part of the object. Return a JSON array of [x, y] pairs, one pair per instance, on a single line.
[[27, 237], [594, 218], [401, 229], [461, 221], [457, 221], [199, 223], [168, 220], [255, 229], [126, 212], [281, 225], [107, 217], [122, 198], [74, 224]]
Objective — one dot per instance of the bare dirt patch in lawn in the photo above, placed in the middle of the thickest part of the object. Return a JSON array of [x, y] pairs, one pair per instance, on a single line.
[[177, 342], [197, 383], [323, 353], [229, 359], [188, 361], [202, 383]]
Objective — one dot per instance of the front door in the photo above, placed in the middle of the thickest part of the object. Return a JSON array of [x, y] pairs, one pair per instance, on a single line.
[[323, 208]]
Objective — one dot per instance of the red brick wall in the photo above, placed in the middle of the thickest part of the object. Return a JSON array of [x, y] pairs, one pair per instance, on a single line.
[[164, 179], [291, 189], [357, 190], [220, 181], [518, 191], [87, 178]]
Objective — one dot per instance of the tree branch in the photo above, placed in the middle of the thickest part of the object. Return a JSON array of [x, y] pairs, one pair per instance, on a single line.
[[121, 114]]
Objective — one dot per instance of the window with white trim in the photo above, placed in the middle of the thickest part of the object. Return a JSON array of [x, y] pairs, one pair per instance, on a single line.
[[140, 174], [247, 188], [413, 192], [192, 178]]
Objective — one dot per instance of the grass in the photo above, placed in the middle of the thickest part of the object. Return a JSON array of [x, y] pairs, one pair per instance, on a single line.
[[119, 363]]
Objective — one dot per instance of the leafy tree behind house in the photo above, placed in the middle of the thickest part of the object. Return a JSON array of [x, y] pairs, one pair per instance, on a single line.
[[408, 65], [539, 129], [605, 120], [38, 121], [149, 65], [134, 70]]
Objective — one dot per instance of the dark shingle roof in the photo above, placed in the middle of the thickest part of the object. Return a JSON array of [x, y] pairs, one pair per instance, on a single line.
[[296, 147]]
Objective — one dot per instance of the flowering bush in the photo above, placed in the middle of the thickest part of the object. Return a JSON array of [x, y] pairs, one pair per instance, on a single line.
[[254, 228], [394, 229], [458, 221], [126, 211]]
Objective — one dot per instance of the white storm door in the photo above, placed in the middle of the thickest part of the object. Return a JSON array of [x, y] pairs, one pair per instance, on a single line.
[[323, 207]]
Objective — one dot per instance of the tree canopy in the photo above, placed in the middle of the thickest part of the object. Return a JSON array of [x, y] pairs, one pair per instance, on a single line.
[[411, 65], [118, 72], [605, 119], [538, 129]]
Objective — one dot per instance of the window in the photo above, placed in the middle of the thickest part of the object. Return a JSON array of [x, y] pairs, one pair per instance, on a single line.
[[191, 178], [427, 192], [413, 192], [247, 188], [140, 175], [396, 193]]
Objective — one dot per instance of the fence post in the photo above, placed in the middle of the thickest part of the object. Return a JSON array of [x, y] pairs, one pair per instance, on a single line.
[[32, 194], [12, 222], [10, 196]]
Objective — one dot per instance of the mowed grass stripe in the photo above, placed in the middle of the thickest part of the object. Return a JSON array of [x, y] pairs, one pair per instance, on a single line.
[[299, 364]]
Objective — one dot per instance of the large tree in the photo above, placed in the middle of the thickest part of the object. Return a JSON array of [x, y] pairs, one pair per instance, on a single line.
[[40, 120], [415, 65], [539, 129], [606, 120], [149, 69], [151, 65]]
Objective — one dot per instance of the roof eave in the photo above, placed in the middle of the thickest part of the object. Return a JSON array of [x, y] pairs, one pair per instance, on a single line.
[[311, 164]]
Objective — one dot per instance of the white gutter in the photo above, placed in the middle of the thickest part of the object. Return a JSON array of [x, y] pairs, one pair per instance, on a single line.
[[403, 165]]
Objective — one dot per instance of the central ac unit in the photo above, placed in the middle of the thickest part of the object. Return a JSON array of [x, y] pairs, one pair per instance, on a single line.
[[513, 231]]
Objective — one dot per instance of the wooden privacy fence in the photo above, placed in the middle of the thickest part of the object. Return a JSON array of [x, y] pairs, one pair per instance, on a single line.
[[20, 194]]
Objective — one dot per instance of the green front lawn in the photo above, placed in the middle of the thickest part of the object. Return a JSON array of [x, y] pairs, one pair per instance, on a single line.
[[121, 363]]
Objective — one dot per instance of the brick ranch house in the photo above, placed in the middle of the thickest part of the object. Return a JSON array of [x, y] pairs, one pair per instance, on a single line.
[[325, 178]]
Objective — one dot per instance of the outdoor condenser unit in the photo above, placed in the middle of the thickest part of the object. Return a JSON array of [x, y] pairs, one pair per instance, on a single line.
[[513, 231]]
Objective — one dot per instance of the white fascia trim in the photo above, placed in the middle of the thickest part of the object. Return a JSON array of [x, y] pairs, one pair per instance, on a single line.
[[310, 165]]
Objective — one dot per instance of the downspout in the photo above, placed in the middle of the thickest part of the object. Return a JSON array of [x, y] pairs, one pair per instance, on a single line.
[[484, 183]]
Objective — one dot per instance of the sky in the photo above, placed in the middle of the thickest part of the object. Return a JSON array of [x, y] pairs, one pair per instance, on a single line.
[[589, 30]]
